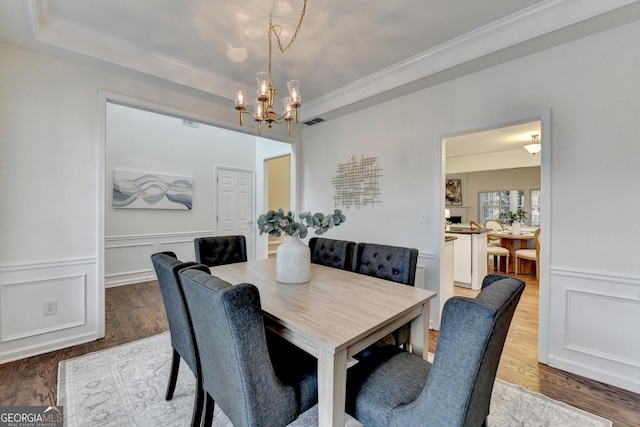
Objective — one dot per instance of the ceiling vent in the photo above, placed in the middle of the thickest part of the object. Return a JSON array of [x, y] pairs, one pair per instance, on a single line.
[[314, 121]]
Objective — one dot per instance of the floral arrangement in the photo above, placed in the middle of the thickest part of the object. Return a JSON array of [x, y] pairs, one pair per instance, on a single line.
[[508, 217], [277, 223]]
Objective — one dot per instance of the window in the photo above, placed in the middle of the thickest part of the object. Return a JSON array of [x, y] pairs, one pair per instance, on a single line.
[[491, 203], [534, 213]]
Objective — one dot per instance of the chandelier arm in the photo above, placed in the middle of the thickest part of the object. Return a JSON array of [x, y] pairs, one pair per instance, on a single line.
[[277, 120]]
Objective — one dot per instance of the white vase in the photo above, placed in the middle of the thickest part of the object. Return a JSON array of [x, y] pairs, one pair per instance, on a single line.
[[515, 228], [293, 261]]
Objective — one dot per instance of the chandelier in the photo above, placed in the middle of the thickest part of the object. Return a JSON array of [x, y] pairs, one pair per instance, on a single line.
[[535, 147], [264, 104]]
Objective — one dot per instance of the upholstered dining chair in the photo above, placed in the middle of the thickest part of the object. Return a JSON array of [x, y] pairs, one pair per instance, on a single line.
[[394, 263], [530, 254], [220, 250], [183, 341], [494, 247], [392, 387], [493, 225], [474, 225], [498, 252], [331, 252], [255, 382]]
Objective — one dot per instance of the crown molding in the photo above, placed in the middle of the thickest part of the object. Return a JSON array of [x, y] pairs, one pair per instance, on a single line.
[[53, 31], [535, 21]]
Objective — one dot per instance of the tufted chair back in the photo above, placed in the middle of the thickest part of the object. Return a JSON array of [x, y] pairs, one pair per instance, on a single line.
[[237, 366], [220, 250], [393, 263], [331, 252]]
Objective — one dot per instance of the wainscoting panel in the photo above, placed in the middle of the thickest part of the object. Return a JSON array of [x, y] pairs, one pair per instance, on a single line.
[[38, 307], [45, 306], [128, 258], [590, 333]]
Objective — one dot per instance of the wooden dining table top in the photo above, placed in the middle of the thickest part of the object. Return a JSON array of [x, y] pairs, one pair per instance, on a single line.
[[509, 235], [336, 307]]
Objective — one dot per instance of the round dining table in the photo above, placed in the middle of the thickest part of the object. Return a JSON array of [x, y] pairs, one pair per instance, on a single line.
[[513, 243]]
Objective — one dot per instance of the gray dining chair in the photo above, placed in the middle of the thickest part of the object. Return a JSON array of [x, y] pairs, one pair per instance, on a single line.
[[183, 341], [392, 387], [394, 263], [257, 379], [331, 252], [220, 250]]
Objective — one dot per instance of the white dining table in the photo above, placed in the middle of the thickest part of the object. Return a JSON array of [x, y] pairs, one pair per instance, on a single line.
[[333, 317]]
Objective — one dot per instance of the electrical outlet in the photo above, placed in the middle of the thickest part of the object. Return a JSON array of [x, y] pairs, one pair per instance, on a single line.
[[50, 307], [424, 216]]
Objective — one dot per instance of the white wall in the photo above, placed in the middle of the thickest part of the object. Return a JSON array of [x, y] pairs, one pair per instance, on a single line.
[[592, 277]]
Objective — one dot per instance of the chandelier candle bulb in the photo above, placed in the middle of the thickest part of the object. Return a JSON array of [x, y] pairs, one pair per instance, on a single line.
[[241, 96], [294, 91], [287, 107], [263, 87]]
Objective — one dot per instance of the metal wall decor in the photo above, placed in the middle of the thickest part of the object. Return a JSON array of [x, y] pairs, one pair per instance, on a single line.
[[357, 183]]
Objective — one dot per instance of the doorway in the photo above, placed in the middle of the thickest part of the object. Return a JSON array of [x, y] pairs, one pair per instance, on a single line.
[[462, 153], [234, 203], [278, 177]]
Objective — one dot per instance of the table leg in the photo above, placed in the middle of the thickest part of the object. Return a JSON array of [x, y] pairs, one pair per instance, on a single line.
[[332, 385], [420, 333]]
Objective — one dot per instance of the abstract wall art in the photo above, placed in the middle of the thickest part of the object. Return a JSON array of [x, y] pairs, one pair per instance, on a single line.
[[151, 190], [357, 183], [453, 192]]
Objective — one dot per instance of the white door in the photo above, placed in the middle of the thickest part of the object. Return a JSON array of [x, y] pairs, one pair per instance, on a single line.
[[235, 205]]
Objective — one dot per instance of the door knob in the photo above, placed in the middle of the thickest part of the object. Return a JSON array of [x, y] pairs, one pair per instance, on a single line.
[[249, 222]]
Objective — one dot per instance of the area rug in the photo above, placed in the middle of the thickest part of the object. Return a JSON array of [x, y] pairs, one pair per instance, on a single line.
[[125, 386]]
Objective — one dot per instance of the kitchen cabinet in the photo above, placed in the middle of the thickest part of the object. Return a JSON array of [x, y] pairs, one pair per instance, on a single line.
[[469, 256]]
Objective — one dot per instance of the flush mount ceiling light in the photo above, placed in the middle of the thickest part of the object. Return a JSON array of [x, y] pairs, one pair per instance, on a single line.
[[264, 110], [535, 146]]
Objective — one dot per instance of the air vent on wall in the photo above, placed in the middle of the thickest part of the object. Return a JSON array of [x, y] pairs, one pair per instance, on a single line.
[[190, 123], [314, 121]]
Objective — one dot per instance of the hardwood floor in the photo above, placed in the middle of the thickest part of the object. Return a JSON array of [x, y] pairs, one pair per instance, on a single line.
[[136, 311]]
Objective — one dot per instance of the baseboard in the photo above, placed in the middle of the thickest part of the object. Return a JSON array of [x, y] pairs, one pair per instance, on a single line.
[[607, 377], [47, 346]]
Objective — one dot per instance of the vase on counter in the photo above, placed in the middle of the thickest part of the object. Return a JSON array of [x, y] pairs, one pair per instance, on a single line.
[[515, 228], [293, 261]]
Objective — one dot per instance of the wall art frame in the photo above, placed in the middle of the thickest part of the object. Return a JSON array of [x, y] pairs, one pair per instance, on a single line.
[[453, 192], [147, 190]]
